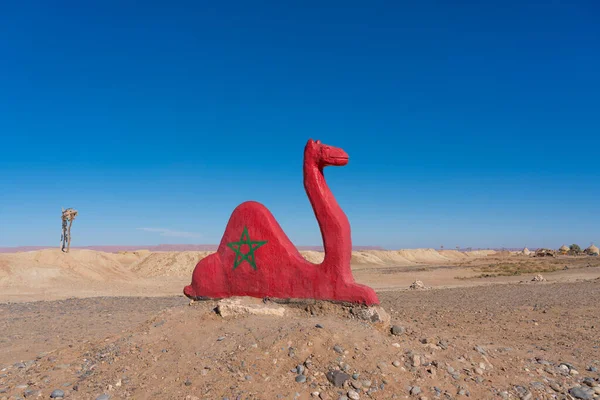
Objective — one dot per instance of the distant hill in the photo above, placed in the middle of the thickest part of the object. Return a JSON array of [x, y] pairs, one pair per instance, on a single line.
[[161, 247]]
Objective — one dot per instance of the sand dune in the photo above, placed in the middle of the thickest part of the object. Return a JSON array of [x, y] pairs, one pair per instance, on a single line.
[[48, 267], [169, 263]]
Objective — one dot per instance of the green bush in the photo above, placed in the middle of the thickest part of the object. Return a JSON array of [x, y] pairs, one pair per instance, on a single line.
[[574, 249]]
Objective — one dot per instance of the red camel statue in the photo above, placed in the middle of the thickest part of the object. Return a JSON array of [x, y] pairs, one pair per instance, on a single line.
[[256, 258]]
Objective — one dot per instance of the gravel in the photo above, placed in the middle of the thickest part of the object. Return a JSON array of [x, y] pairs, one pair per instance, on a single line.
[[398, 330], [337, 378], [415, 390], [353, 395], [581, 393], [57, 394]]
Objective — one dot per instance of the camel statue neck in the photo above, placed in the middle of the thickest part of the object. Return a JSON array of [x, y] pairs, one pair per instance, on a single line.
[[334, 225]]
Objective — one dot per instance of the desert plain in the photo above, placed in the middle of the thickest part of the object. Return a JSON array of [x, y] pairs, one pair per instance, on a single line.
[[99, 325]]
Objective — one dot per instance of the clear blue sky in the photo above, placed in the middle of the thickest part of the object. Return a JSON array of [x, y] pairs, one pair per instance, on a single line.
[[466, 124]]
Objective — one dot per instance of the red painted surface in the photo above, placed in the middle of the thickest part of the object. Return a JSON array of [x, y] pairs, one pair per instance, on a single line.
[[276, 269]]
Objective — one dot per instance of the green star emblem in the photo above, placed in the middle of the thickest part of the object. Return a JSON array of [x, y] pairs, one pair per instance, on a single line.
[[252, 246]]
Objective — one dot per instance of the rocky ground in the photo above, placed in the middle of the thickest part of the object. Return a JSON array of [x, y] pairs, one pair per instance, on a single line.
[[534, 340]]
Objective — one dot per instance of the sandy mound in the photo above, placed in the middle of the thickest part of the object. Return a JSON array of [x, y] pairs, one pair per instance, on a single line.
[[481, 253], [129, 257], [41, 267], [169, 263], [424, 256], [315, 257], [454, 255]]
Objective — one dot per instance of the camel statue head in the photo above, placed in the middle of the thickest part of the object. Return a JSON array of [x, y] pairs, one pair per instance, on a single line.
[[324, 155]]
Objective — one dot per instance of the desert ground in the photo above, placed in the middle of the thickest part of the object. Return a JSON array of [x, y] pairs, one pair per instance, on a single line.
[[98, 325]]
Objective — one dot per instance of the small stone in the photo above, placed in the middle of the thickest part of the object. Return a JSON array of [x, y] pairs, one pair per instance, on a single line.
[[590, 382], [355, 375], [581, 393], [478, 371], [19, 365], [356, 385], [396, 363], [220, 338], [555, 386], [415, 360], [103, 397], [563, 369], [248, 377], [338, 349], [315, 394], [187, 382], [415, 390], [300, 369], [31, 393], [398, 330], [573, 372], [374, 314], [337, 378], [521, 390], [417, 285], [319, 326], [57, 394], [367, 383], [353, 395], [537, 385], [300, 378], [592, 369]]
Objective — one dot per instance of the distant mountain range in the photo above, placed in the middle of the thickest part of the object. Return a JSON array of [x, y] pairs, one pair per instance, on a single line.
[[160, 247]]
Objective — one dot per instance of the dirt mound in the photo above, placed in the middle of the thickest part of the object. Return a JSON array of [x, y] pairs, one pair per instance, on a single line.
[[481, 253], [454, 255], [169, 263], [424, 256], [38, 268], [129, 257], [315, 257]]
